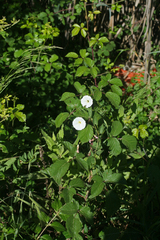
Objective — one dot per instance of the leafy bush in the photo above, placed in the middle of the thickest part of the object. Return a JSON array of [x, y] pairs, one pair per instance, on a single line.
[[93, 171]]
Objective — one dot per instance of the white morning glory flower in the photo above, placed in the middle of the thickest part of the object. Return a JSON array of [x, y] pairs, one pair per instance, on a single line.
[[86, 101], [79, 123]]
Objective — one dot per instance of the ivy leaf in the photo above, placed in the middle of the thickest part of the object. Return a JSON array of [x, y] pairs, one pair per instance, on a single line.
[[61, 118], [130, 142], [114, 99], [115, 146], [86, 134]]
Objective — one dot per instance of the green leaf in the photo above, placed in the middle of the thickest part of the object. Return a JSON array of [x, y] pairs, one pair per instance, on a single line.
[[83, 33], [80, 88], [97, 94], [67, 194], [61, 118], [74, 226], [56, 205], [42, 15], [58, 227], [80, 71], [46, 237], [121, 111], [116, 81], [72, 102], [83, 53], [86, 134], [130, 142], [137, 155], [67, 95], [92, 42], [20, 106], [103, 39], [47, 67], [18, 53], [78, 61], [20, 116], [117, 90], [58, 170], [71, 147], [96, 189], [75, 31], [60, 134], [89, 62], [96, 118], [110, 177], [135, 132], [103, 83], [143, 133], [94, 72], [81, 161], [49, 141], [116, 128], [72, 55], [112, 202], [114, 99], [53, 58], [97, 12], [76, 25], [77, 182], [88, 215], [70, 208], [115, 146]]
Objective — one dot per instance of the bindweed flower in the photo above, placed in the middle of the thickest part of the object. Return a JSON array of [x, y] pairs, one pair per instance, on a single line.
[[79, 123], [86, 101]]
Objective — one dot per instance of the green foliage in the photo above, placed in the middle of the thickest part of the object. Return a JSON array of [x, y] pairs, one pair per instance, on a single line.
[[98, 182]]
